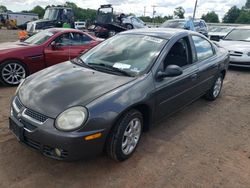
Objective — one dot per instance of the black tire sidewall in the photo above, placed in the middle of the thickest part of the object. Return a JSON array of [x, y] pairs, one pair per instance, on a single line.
[[118, 132], [210, 95]]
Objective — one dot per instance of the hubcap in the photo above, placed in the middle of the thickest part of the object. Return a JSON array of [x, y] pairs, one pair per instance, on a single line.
[[13, 73], [131, 136], [217, 87]]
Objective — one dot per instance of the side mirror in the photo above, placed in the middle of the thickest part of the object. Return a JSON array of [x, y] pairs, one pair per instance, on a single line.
[[170, 71], [55, 45]]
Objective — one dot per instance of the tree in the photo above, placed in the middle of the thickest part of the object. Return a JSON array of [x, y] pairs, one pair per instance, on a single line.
[[211, 17], [244, 17], [232, 15], [247, 5], [38, 10], [179, 12], [3, 8]]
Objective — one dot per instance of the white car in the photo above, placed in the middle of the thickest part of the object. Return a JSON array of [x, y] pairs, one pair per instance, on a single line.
[[218, 33], [237, 42], [132, 22]]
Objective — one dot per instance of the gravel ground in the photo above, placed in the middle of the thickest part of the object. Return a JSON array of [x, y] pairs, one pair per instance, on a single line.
[[204, 145]]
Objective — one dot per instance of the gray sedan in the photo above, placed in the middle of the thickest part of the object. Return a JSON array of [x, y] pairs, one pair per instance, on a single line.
[[104, 99]]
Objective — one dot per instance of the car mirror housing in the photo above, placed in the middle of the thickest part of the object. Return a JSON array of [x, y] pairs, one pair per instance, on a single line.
[[170, 71]]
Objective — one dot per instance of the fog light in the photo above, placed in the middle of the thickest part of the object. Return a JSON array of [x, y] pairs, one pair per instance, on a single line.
[[58, 152]]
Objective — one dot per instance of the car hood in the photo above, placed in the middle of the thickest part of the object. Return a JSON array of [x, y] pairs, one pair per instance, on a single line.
[[13, 45], [53, 90], [235, 45]]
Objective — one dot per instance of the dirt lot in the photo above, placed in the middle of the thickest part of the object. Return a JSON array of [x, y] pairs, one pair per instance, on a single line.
[[205, 145]]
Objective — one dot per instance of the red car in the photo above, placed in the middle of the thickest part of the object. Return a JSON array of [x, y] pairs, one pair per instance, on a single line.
[[46, 48]]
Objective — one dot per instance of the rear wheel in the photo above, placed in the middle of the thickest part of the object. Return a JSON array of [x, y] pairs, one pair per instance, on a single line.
[[129, 26], [215, 90], [12, 72], [125, 136]]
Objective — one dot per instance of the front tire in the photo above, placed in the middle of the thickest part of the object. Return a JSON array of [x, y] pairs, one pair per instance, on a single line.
[[12, 72], [124, 136], [129, 26], [215, 90]]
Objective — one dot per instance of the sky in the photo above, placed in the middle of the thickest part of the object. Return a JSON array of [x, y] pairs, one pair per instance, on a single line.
[[163, 7]]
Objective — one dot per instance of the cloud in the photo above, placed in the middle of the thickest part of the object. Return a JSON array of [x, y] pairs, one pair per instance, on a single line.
[[163, 7]]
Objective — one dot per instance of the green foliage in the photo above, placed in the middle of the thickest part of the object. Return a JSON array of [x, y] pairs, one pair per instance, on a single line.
[[244, 17], [232, 15], [3, 8], [81, 14], [179, 12], [211, 17], [247, 5]]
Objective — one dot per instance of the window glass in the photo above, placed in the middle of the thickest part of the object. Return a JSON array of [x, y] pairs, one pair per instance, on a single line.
[[179, 54], [203, 48], [80, 39], [64, 39]]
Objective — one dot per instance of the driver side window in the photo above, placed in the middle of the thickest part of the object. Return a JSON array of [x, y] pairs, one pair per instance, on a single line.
[[64, 39], [179, 54]]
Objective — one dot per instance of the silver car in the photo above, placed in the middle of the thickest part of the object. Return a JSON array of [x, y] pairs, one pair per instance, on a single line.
[[132, 22]]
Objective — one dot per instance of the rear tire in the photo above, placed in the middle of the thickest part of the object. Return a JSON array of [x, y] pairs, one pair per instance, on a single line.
[[215, 90], [124, 136], [12, 72], [129, 26]]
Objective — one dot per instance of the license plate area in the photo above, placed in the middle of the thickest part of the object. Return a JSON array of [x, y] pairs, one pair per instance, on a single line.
[[16, 129]]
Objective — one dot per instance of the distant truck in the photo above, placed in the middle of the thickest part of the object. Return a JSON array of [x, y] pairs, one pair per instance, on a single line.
[[53, 17], [13, 20]]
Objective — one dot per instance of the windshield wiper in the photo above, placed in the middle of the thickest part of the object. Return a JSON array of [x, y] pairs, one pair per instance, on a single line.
[[110, 68], [77, 59]]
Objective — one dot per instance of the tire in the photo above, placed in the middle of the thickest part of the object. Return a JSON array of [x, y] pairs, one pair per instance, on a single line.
[[125, 136], [215, 90], [129, 26], [12, 72]]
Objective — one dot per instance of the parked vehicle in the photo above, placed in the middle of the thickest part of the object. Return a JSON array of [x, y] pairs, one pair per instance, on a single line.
[[12, 20], [237, 42], [80, 25], [132, 22], [201, 27], [53, 17], [199, 24], [46, 48], [218, 33], [107, 97]]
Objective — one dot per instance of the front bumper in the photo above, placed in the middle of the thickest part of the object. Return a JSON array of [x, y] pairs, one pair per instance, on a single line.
[[46, 139]]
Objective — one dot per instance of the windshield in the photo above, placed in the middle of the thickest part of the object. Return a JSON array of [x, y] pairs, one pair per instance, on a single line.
[[174, 24], [220, 29], [132, 54], [51, 14], [239, 35], [39, 38]]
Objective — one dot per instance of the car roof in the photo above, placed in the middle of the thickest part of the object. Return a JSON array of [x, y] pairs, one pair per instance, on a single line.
[[165, 33], [63, 30], [242, 27]]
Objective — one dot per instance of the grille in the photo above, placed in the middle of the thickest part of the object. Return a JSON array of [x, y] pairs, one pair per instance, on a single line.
[[46, 150], [27, 125], [35, 115], [18, 103]]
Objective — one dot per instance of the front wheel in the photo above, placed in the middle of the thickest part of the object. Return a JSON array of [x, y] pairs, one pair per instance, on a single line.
[[214, 92], [12, 72], [125, 136]]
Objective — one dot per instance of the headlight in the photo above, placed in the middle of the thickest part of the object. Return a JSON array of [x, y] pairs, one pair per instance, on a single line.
[[71, 118], [19, 86]]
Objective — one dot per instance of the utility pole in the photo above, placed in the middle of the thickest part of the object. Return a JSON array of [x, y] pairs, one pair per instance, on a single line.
[[154, 12], [195, 6], [144, 11]]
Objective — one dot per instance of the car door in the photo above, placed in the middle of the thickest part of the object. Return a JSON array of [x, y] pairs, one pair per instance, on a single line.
[[80, 43], [206, 61], [174, 92], [135, 23], [58, 50]]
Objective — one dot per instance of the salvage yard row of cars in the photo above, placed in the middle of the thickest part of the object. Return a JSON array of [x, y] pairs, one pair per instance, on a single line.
[[104, 99]]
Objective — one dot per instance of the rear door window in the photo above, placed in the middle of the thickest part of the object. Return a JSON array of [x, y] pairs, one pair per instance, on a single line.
[[203, 47]]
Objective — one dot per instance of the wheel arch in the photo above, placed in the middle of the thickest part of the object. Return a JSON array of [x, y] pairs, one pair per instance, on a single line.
[[16, 59]]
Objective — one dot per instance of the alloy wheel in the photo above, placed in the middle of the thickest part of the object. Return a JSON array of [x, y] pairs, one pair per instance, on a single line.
[[13, 73]]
